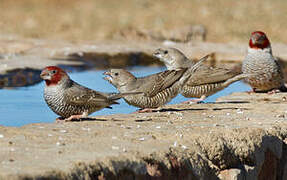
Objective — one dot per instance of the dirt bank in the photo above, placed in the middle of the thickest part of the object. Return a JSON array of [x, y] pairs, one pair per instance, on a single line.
[[241, 135]]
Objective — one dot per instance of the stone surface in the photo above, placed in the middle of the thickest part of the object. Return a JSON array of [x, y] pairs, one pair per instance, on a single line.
[[198, 141], [114, 53], [231, 174], [18, 54]]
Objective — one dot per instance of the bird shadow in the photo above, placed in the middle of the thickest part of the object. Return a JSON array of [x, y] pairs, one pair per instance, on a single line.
[[178, 110], [202, 109], [87, 119], [229, 102], [143, 120]]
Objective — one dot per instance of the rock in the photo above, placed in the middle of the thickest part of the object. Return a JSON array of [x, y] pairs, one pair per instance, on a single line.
[[232, 174], [250, 144]]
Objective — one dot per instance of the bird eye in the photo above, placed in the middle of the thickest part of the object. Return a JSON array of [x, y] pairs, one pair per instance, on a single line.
[[54, 71], [116, 74], [165, 52]]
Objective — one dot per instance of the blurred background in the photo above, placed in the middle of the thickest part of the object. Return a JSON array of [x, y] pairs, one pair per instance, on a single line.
[[74, 20]]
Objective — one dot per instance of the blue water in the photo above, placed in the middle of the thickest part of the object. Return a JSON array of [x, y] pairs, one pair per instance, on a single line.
[[26, 105]]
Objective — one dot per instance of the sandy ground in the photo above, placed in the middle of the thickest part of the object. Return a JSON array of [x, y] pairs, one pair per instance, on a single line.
[[234, 131]]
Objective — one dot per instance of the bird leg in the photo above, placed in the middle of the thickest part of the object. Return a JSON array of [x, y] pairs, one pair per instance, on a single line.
[[145, 110], [198, 100], [73, 117], [251, 91]]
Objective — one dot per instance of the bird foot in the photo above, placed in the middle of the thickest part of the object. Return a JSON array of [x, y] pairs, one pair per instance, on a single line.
[[251, 91], [274, 91], [145, 110], [73, 117], [194, 101]]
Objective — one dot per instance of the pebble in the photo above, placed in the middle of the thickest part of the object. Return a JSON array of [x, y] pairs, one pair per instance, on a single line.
[[175, 144], [239, 111], [1, 136], [183, 147], [115, 148], [142, 139], [86, 129]]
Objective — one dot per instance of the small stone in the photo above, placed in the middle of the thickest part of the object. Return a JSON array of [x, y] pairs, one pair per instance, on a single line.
[[142, 139], [183, 147], [80, 54], [115, 148], [239, 111], [175, 144], [158, 127], [86, 129], [231, 174], [1, 136]]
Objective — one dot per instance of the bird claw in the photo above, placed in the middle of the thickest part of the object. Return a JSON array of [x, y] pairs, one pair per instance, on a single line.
[[73, 117], [194, 101], [274, 91]]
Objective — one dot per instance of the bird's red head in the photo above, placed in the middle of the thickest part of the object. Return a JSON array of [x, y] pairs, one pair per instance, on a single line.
[[258, 40], [52, 75]]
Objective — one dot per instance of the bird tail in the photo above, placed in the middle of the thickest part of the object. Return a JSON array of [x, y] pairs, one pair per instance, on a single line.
[[189, 72], [235, 78], [283, 88], [116, 96]]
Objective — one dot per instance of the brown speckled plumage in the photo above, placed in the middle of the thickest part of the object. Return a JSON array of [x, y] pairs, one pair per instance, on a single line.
[[260, 61], [205, 82], [66, 97], [158, 89]]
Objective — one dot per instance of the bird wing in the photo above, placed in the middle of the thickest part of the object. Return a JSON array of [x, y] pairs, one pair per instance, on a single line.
[[153, 84], [279, 67], [79, 95], [207, 75]]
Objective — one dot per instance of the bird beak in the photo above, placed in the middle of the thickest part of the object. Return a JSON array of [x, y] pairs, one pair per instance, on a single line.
[[108, 76], [107, 73], [156, 54], [45, 75]]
